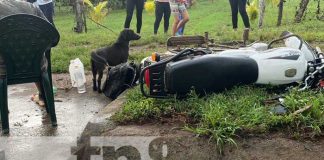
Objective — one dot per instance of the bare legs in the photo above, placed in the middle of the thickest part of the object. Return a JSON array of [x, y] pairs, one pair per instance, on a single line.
[[38, 98], [177, 24]]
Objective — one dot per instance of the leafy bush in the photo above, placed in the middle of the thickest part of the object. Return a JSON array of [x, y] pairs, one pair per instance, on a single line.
[[112, 4], [97, 13]]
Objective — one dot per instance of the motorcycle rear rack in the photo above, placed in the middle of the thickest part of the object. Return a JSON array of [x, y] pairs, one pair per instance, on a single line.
[[156, 72]]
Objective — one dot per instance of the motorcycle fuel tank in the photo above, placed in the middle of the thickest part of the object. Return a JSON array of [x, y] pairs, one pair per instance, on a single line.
[[280, 66]]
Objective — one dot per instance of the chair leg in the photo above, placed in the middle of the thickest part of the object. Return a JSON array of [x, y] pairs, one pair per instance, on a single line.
[[49, 71], [44, 97], [4, 105], [49, 97], [49, 67]]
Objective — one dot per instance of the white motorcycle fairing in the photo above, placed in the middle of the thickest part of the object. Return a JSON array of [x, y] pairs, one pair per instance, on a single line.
[[275, 66], [280, 66], [297, 62]]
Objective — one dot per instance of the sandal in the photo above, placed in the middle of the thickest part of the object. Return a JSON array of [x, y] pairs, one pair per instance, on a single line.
[[37, 100]]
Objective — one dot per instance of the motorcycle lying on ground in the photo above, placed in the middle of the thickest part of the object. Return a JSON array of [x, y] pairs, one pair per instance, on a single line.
[[206, 71]]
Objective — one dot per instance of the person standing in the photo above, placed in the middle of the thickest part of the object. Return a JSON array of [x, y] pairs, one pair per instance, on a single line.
[[178, 7], [240, 6], [130, 6], [47, 7], [162, 10]]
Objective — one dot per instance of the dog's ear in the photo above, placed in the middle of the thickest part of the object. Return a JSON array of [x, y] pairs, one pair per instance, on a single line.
[[123, 35], [129, 34], [133, 36]]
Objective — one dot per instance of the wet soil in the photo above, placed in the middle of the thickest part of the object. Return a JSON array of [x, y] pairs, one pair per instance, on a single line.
[[73, 110], [184, 145]]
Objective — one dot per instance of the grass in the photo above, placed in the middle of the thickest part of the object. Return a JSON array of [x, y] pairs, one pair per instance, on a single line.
[[237, 112], [204, 17], [223, 116]]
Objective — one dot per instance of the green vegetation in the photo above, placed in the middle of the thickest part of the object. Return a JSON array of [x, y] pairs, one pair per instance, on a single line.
[[221, 116], [204, 16], [232, 113]]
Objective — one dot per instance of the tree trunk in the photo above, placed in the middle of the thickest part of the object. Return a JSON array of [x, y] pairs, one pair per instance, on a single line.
[[319, 15], [84, 19], [78, 16], [318, 11], [300, 12], [262, 6], [280, 6]]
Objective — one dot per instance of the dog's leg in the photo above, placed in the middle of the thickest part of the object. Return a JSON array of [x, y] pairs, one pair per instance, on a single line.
[[94, 74], [99, 81]]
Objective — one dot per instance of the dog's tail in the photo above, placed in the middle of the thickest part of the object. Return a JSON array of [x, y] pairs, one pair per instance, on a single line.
[[98, 59]]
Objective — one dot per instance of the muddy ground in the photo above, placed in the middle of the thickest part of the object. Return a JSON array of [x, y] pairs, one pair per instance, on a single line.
[[73, 110], [185, 145], [32, 136]]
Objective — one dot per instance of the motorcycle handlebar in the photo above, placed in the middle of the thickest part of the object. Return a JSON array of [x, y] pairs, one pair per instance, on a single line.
[[285, 37]]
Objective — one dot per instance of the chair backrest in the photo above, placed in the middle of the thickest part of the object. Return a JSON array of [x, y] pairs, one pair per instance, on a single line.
[[23, 41]]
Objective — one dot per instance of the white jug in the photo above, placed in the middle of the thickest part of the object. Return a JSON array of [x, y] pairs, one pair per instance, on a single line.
[[77, 75]]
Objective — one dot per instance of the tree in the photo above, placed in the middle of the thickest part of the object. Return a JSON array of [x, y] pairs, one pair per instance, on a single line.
[[319, 14], [262, 5], [79, 16], [300, 12]]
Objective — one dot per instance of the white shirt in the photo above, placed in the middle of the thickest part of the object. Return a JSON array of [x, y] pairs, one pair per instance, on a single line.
[[42, 2]]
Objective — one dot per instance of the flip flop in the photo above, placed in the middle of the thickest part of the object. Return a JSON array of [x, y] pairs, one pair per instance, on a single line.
[[35, 98]]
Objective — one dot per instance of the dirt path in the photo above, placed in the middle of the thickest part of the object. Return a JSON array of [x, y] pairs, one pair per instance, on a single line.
[[185, 145]]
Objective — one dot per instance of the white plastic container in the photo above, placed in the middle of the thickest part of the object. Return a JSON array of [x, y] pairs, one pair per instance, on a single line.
[[77, 75]]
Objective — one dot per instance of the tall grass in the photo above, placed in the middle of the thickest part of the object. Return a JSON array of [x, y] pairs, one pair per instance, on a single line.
[[237, 112]]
